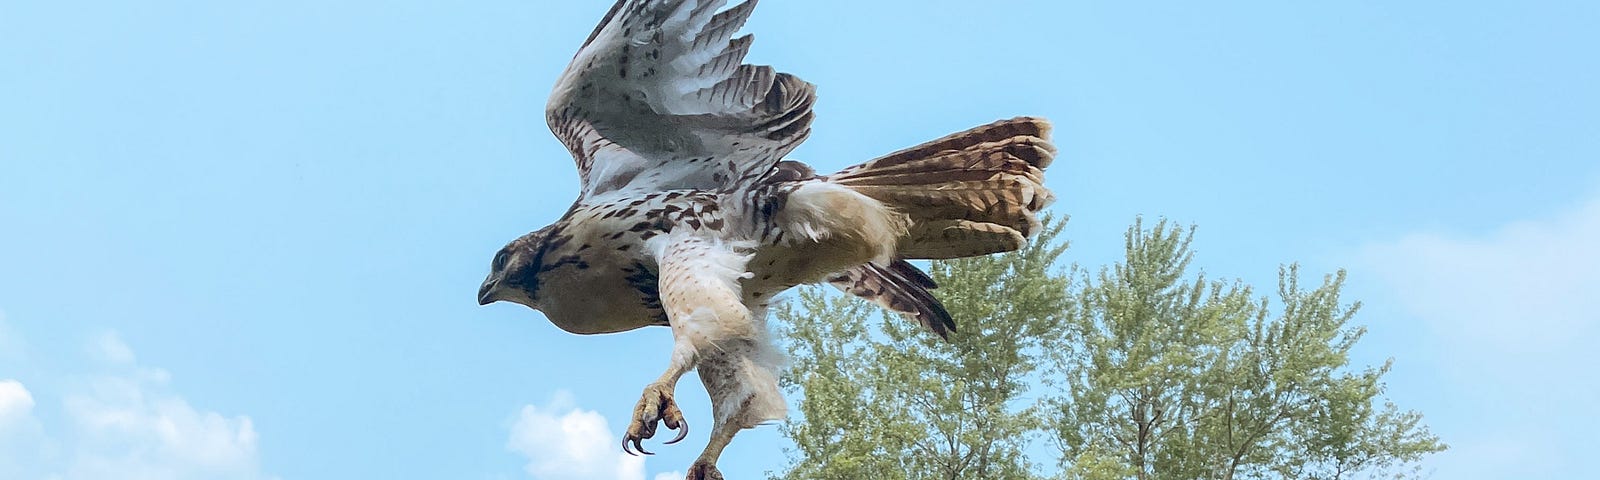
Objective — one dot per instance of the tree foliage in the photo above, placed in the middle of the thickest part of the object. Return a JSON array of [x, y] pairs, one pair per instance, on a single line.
[[887, 400], [1182, 377], [1140, 370]]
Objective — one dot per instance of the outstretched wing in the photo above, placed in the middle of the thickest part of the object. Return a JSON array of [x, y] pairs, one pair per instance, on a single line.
[[659, 98]]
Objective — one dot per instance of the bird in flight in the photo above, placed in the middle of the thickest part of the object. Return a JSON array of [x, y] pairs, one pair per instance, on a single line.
[[690, 217]]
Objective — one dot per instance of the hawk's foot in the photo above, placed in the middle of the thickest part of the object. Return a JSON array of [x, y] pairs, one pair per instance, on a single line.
[[655, 405], [703, 471]]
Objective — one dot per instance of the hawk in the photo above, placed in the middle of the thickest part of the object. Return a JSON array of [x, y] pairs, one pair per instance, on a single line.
[[690, 217]]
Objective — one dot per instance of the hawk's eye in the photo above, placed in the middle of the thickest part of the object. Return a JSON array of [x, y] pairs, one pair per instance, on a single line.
[[499, 260]]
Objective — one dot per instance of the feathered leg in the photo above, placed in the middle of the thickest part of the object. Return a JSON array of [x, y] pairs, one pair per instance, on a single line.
[[741, 376], [715, 332]]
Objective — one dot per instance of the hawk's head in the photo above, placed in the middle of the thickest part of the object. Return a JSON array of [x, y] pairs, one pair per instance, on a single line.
[[513, 275]]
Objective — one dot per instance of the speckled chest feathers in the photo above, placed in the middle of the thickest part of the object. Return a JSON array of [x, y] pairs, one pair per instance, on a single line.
[[593, 270]]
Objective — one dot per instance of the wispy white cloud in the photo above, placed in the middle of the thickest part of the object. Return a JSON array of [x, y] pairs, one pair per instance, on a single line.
[[123, 422], [1513, 316], [564, 442], [1531, 288], [16, 404], [19, 431], [669, 476], [108, 347]]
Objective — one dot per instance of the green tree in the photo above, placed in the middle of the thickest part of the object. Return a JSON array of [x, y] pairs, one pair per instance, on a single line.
[[1179, 378], [887, 400], [1140, 370]]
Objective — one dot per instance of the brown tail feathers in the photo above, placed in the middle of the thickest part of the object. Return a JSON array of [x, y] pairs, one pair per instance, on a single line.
[[972, 193]]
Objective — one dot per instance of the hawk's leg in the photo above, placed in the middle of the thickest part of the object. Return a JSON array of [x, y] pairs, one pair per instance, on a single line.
[[734, 406], [717, 334], [656, 405], [703, 471]]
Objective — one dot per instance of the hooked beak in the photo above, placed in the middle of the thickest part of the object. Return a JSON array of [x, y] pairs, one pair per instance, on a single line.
[[488, 292]]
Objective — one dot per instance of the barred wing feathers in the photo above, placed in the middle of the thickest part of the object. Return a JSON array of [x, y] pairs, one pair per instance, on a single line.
[[659, 98]]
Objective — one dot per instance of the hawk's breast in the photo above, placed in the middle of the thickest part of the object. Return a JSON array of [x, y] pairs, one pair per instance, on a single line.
[[598, 277]]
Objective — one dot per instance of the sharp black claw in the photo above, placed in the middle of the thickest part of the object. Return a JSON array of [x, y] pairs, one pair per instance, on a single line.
[[640, 446], [625, 448], [682, 432]]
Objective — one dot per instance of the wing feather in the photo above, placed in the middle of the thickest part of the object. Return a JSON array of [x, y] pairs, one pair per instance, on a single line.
[[902, 288], [659, 98]]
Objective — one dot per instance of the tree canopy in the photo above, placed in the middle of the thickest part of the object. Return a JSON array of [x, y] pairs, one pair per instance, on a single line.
[[1138, 370]]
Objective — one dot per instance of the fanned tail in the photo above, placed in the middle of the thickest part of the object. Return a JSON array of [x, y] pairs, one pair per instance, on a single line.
[[971, 193]]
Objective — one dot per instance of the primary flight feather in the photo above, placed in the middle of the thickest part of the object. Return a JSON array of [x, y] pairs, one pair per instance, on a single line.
[[690, 217]]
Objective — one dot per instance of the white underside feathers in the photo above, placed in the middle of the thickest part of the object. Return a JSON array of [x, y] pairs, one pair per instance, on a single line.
[[854, 224], [699, 286]]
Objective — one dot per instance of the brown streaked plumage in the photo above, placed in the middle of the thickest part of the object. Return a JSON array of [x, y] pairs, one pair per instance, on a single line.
[[901, 288], [690, 218]]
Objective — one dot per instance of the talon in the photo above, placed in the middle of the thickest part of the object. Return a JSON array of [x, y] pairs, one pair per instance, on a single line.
[[683, 431], [655, 408]]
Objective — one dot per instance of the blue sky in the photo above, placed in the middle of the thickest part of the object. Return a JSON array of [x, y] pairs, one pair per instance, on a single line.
[[242, 239]]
